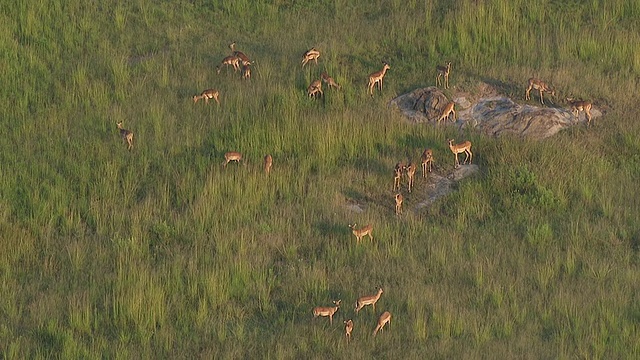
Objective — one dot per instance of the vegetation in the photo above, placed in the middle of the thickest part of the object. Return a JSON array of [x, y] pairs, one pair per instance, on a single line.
[[160, 252]]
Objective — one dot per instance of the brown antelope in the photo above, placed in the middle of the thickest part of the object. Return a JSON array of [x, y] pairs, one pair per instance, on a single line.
[[232, 156], [399, 200], [230, 61], [238, 54], [367, 230], [537, 84], [447, 111], [311, 54], [411, 173], [268, 161], [246, 70], [348, 329], [327, 311], [315, 88], [464, 147], [206, 95], [397, 177], [376, 78], [427, 161], [127, 135], [329, 81], [368, 300], [382, 321], [443, 71], [581, 105]]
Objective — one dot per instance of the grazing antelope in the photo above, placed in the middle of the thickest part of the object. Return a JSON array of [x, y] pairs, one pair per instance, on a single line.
[[329, 81], [581, 105], [232, 156], [311, 54], [397, 177], [382, 321], [127, 135], [367, 230], [411, 173], [348, 329], [246, 70], [427, 161], [399, 200], [368, 300], [230, 61], [268, 161], [327, 311], [376, 78], [206, 95], [443, 71], [539, 85], [315, 88], [238, 54], [464, 147], [447, 111]]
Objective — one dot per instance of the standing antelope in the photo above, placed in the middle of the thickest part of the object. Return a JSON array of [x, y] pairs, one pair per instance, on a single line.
[[246, 70], [447, 111], [327, 311], [348, 328], [230, 61], [443, 71], [311, 54], [376, 78], [382, 321], [397, 177], [238, 54], [368, 300], [329, 80], [581, 105], [539, 85], [268, 161], [464, 147], [367, 230], [232, 156], [315, 88], [206, 95], [427, 161], [411, 172], [127, 135], [399, 200]]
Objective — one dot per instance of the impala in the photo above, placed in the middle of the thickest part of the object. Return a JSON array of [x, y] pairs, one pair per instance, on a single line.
[[329, 81], [399, 200], [376, 78], [581, 105], [368, 300], [427, 161], [268, 161], [238, 54], [382, 321], [411, 172], [537, 84], [207, 95], [443, 71], [230, 61], [327, 311], [232, 156], [447, 111], [315, 89], [127, 135], [397, 175], [367, 230], [246, 70], [464, 147], [348, 328], [311, 54]]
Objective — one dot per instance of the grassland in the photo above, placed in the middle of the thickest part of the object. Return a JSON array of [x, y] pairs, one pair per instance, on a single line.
[[161, 253]]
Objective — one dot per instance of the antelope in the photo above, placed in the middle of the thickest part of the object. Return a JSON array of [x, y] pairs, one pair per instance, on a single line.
[[411, 172], [376, 78], [206, 95], [447, 111], [368, 300], [348, 328], [246, 70], [397, 175], [329, 81], [382, 321], [230, 61], [443, 71], [268, 161], [464, 147], [327, 311], [127, 135], [232, 156], [367, 230], [311, 54], [537, 84], [427, 161], [399, 200], [581, 105], [238, 54], [315, 88]]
